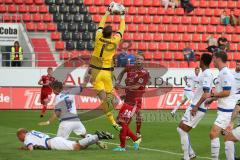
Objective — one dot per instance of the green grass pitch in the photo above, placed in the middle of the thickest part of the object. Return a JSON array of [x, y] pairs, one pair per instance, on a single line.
[[160, 138]]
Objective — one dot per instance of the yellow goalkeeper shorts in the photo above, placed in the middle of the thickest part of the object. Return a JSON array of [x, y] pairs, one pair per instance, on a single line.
[[102, 80]]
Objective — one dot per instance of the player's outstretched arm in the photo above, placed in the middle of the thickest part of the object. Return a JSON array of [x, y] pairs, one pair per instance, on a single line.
[[103, 21], [122, 25]]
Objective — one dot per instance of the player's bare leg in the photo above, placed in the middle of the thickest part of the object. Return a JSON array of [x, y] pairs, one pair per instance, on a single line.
[[107, 106], [215, 141], [44, 107], [183, 130], [179, 104]]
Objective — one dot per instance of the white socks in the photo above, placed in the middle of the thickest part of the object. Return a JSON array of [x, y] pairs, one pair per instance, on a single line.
[[215, 147], [176, 107], [88, 140], [229, 150], [185, 143]]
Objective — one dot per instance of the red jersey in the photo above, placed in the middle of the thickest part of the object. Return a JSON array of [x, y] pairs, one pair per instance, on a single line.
[[46, 79], [136, 76]]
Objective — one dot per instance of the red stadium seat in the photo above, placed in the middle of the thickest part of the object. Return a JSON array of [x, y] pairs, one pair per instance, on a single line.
[[152, 10], [137, 2], [101, 9], [186, 20], [172, 46], [193, 64], [156, 19], [147, 3], [203, 4], [166, 19], [178, 56], [202, 46], [236, 56], [59, 45], [156, 3], [2, 8], [158, 56], [142, 28], [209, 12], [211, 29], [51, 27], [157, 37], [6, 18], [152, 46], [162, 46], [238, 29], [205, 20], [237, 12], [141, 10], [39, 2], [170, 11], [222, 4], [137, 19], [161, 28], [230, 29], [163, 64], [181, 46], [98, 2], [16, 18], [132, 10], [64, 55], [200, 29], [127, 37], [233, 47], [238, 47], [22, 9], [217, 12], [138, 36], [132, 28], [179, 11], [30, 26], [213, 4], [147, 19], [190, 29], [167, 37], [204, 37], [41, 27], [147, 37], [47, 17], [181, 28], [161, 11], [172, 28], [12, 8], [220, 29], [199, 11], [43, 9], [238, 4], [92, 9], [183, 64], [55, 36], [196, 38], [18, 2], [32, 9], [194, 20], [36, 17], [148, 55], [235, 38], [176, 20], [215, 21], [231, 4], [127, 3], [89, 2], [152, 28], [26, 17], [128, 19], [186, 38], [167, 55], [177, 37], [142, 46], [193, 46], [117, 19], [232, 64], [96, 18], [173, 64], [8, 1]]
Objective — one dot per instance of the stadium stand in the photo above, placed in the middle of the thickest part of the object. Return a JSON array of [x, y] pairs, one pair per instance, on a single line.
[[159, 33]]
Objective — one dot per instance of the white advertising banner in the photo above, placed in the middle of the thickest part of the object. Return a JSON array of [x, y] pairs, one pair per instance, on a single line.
[[29, 77], [9, 33]]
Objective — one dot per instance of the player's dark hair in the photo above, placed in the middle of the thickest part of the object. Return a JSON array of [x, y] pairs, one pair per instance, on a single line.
[[139, 54], [107, 31], [49, 68], [206, 59], [222, 55], [56, 85], [197, 68]]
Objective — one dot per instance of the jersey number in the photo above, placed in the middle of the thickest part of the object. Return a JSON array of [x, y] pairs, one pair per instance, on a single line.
[[68, 103], [127, 114], [38, 134]]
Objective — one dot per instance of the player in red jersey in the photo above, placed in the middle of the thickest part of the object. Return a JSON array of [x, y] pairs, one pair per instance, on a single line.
[[46, 90], [136, 81]]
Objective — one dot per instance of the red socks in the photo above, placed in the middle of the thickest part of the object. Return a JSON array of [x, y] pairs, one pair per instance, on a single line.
[[138, 122], [124, 133]]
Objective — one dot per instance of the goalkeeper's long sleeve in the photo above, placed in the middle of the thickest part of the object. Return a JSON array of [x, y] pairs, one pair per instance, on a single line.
[[103, 21], [122, 25]]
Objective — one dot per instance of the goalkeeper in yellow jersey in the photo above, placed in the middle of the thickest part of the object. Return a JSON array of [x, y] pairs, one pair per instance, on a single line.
[[101, 64]]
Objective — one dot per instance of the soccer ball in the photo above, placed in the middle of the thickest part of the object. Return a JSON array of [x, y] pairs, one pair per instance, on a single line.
[[116, 8]]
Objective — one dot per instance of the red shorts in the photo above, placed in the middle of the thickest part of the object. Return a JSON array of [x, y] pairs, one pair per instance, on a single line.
[[126, 113], [45, 95]]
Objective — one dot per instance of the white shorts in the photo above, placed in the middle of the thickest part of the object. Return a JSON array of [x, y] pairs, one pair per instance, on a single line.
[[67, 127], [223, 119], [192, 121], [59, 143], [187, 95], [236, 133]]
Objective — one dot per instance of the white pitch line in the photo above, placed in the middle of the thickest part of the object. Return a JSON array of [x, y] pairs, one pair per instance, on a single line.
[[142, 148]]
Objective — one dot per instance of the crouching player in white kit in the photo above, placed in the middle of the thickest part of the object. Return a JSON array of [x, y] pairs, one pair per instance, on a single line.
[[66, 111], [38, 140], [191, 82], [196, 111], [226, 101]]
